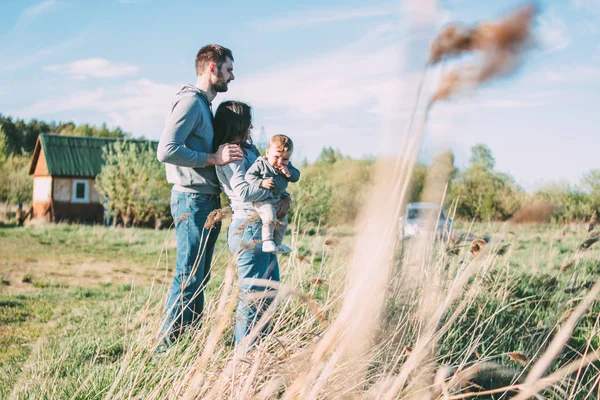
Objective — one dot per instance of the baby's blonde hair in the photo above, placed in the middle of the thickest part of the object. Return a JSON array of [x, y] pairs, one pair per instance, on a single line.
[[281, 143]]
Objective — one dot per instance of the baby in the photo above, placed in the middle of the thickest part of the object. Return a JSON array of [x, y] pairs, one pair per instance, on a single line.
[[273, 172]]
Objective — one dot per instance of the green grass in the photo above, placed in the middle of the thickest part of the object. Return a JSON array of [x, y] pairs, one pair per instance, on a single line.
[[60, 336]]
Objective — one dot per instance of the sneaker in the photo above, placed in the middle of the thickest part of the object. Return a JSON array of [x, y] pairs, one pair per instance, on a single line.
[[269, 247], [283, 249]]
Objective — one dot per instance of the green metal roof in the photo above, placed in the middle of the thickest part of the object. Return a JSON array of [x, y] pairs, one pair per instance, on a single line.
[[78, 156]]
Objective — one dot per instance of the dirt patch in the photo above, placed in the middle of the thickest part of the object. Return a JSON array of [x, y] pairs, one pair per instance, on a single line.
[[30, 273]]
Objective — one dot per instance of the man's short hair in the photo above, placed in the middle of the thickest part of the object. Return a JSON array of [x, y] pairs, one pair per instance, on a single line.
[[281, 143], [212, 53]]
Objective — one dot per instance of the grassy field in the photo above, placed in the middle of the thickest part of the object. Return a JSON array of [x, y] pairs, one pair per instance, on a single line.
[[80, 305]]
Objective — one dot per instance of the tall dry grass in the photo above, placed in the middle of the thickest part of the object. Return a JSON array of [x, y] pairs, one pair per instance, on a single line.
[[376, 331]]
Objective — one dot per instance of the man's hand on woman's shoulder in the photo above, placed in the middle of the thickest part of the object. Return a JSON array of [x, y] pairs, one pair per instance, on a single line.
[[225, 154]]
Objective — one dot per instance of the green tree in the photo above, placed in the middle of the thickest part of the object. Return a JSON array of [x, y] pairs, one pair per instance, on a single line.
[[15, 183], [571, 203], [3, 147], [329, 156], [481, 156], [484, 193], [134, 182], [591, 184]]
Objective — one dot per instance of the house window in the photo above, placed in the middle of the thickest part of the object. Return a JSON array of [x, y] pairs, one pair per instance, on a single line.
[[80, 191]]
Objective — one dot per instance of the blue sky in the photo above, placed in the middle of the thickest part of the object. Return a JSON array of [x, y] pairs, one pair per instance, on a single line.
[[327, 73]]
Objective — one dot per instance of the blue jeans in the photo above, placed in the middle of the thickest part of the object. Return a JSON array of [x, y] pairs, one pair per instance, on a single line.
[[195, 247], [252, 262]]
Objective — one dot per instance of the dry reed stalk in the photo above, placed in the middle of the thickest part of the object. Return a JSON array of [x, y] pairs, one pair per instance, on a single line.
[[477, 246], [519, 357], [318, 281], [417, 278], [216, 216], [500, 44], [557, 375], [357, 319], [348, 339], [242, 348], [567, 265], [593, 221], [433, 331], [227, 302], [303, 259], [243, 394], [556, 344], [451, 41], [332, 242], [252, 219], [251, 244]]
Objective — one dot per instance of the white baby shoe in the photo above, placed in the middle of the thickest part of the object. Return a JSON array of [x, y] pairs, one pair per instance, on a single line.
[[269, 247]]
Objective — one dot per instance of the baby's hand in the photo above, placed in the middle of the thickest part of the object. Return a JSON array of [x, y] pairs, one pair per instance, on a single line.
[[268, 183], [285, 170]]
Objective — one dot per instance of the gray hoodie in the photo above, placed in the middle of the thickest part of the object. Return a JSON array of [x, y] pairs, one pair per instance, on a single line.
[[185, 142], [261, 169]]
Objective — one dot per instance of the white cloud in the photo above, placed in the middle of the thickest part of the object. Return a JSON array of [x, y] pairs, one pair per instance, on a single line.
[[552, 32], [10, 64], [367, 72], [335, 81], [306, 19], [31, 13], [357, 97], [93, 68], [139, 106], [419, 14]]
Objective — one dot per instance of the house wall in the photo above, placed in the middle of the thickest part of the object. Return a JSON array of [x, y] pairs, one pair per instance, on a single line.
[[42, 190], [78, 212], [41, 168], [63, 189], [94, 195], [66, 209]]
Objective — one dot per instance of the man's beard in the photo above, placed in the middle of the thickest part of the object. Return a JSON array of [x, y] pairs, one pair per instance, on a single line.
[[221, 85]]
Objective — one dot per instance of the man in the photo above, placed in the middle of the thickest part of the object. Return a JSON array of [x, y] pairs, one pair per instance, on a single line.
[[186, 148]]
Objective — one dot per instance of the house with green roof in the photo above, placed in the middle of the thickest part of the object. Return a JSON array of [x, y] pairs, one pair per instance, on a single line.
[[64, 170]]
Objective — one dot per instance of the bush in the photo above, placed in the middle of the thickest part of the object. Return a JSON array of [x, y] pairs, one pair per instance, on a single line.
[[134, 181], [332, 190]]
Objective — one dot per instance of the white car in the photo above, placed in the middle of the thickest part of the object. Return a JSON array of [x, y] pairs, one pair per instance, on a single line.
[[417, 216]]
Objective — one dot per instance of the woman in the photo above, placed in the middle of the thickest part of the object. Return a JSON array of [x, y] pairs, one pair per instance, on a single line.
[[232, 124]]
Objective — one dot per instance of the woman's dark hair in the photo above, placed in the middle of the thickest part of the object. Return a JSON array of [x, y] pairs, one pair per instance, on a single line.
[[231, 123]]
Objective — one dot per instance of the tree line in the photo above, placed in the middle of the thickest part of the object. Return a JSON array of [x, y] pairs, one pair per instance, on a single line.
[[333, 188], [21, 136], [331, 191]]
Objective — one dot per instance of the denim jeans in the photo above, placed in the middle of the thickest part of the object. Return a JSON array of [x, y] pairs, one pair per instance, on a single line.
[[195, 247], [252, 262]]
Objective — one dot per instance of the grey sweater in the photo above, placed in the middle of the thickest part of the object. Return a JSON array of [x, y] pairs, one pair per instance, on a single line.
[[261, 169], [240, 193], [185, 142]]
